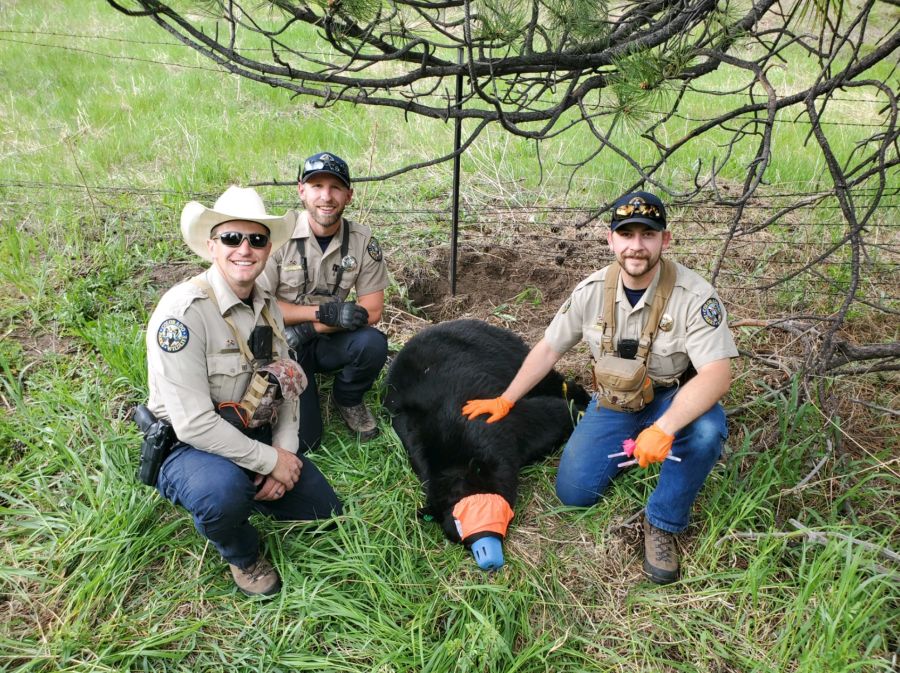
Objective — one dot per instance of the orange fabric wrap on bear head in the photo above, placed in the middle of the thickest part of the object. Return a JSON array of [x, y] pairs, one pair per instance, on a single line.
[[481, 513]]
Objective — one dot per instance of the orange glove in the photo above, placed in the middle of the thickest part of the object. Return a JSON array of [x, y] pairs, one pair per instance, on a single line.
[[497, 408], [653, 445]]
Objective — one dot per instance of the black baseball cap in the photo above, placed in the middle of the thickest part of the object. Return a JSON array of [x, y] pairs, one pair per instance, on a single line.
[[325, 162], [642, 207]]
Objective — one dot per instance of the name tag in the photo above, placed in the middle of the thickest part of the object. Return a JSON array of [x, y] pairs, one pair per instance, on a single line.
[[292, 267]]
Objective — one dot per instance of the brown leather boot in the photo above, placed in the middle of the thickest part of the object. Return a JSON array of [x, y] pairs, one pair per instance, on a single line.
[[258, 579], [360, 420], [660, 554]]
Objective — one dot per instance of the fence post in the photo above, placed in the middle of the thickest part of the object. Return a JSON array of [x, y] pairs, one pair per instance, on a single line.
[[457, 141]]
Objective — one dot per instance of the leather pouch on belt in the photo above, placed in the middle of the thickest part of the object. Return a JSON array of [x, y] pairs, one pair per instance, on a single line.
[[622, 385]]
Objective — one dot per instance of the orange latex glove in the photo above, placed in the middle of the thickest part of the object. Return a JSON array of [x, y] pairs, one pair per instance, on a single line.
[[652, 445], [497, 408]]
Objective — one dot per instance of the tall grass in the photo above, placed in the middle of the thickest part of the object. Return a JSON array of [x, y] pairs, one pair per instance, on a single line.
[[98, 573]]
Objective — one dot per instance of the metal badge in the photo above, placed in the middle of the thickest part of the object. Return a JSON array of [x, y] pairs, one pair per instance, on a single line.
[[666, 323], [348, 263]]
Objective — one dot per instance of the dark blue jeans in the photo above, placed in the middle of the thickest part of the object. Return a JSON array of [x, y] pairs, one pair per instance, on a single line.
[[357, 358], [219, 496], [585, 470]]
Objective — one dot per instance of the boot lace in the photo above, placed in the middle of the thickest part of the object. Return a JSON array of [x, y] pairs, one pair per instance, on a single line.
[[664, 544], [358, 416], [258, 570]]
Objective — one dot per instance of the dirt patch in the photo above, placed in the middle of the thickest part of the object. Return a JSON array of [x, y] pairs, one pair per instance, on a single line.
[[165, 276], [511, 286], [496, 283], [38, 344]]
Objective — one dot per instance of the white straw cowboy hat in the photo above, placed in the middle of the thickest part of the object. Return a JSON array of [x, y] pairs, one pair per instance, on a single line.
[[237, 203]]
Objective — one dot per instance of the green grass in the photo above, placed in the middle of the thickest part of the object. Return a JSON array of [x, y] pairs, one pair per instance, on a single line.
[[98, 573]]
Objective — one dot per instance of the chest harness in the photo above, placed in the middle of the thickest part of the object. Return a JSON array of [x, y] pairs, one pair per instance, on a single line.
[[270, 382], [338, 268], [623, 384]]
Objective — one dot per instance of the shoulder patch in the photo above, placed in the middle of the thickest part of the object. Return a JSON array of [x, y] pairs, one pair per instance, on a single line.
[[565, 307], [712, 312], [172, 335], [374, 250]]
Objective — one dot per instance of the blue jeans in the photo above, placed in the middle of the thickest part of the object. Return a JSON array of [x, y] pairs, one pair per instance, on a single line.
[[356, 356], [585, 470], [219, 496]]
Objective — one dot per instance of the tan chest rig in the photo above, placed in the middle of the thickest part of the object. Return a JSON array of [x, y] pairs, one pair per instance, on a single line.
[[622, 384], [271, 383]]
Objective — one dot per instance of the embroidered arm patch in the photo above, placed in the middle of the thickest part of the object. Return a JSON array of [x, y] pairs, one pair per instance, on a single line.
[[172, 335], [374, 250], [712, 312]]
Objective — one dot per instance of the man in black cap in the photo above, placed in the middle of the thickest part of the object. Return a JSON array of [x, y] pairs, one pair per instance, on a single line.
[[661, 347], [312, 276]]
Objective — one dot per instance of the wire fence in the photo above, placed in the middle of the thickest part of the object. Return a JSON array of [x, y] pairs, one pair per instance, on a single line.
[[773, 270]]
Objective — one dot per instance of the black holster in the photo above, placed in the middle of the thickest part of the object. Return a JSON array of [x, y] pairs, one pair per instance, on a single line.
[[159, 438]]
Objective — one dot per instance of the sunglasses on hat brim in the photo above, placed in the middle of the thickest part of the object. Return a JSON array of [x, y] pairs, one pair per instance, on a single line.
[[638, 210]]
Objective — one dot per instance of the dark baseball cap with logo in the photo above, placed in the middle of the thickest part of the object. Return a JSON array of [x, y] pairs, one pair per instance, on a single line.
[[642, 207], [325, 162]]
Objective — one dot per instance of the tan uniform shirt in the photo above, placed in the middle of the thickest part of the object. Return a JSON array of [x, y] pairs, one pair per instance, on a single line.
[[194, 363], [693, 329], [364, 266]]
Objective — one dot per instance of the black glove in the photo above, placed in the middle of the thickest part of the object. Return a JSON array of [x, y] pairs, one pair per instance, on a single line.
[[347, 315], [299, 334]]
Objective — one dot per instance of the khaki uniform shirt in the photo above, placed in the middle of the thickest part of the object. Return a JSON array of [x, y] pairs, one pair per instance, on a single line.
[[194, 363], [693, 329], [364, 266]]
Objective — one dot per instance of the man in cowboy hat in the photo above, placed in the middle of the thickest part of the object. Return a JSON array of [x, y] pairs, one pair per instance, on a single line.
[[312, 276], [215, 351], [650, 324]]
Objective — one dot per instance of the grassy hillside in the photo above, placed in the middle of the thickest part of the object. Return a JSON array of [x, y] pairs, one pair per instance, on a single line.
[[107, 129]]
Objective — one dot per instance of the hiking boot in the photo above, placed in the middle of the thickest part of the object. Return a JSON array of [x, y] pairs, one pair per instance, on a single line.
[[359, 419], [259, 579], [660, 554]]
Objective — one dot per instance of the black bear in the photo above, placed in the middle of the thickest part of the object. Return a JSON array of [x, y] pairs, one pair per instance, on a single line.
[[465, 465]]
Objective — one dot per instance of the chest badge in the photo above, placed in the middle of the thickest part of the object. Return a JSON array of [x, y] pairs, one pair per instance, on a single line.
[[666, 323], [349, 263]]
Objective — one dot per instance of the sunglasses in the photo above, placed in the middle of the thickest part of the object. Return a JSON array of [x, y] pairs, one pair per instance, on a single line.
[[640, 208], [233, 239]]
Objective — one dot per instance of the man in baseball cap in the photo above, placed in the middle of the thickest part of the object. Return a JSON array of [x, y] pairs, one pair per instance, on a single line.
[[327, 258], [650, 324]]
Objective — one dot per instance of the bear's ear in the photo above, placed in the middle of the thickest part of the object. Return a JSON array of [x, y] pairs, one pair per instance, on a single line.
[[572, 390]]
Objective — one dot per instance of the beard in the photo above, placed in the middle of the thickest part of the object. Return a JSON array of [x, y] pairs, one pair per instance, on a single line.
[[325, 220], [638, 266]]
